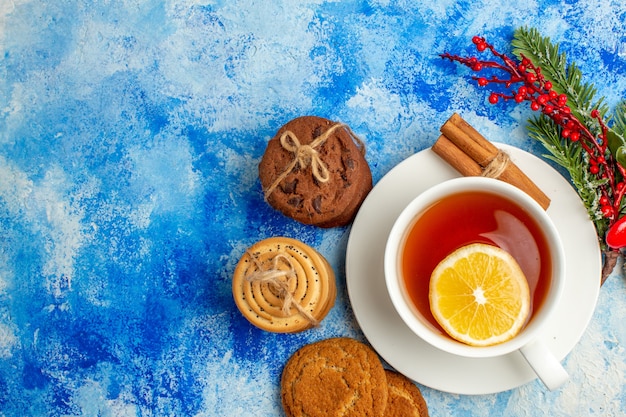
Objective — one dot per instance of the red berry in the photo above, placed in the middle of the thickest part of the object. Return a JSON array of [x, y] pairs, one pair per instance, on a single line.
[[607, 211], [574, 136], [493, 98], [523, 90], [531, 78], [562, 99], [477, 66], [482, 81], [565, 133], [548, 109], [604, 200], [616, 235], [595, 113], [542, 99], [600, 160], [525, 61], [477, 39], [547, 85], [521, 68], [481, 46], [553, 94], [518, 98], [534, 106]]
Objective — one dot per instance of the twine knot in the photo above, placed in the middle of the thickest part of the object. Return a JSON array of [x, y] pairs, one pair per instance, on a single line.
[[497, 165], [280, 280], [307, 155]]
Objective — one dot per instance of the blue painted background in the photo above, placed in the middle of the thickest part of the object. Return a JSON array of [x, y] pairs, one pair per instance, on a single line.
[[130, 133]]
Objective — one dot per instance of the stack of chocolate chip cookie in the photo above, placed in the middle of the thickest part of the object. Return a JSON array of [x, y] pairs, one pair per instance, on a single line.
[[283, 285], [344, 377], [314, 171]]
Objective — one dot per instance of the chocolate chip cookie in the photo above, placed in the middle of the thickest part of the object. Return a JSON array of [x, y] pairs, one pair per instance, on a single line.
[[314, 171]]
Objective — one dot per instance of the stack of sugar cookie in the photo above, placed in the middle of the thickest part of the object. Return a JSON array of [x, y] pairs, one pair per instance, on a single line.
[[283, 285], [344, 377]]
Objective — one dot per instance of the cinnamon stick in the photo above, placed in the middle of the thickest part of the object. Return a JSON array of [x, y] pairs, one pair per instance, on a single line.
[[514, 174], [461, 143], [474, 149], [454, 156], [473, 133]]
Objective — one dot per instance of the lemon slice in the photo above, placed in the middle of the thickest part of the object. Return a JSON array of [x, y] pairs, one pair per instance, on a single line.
[[479, 295]]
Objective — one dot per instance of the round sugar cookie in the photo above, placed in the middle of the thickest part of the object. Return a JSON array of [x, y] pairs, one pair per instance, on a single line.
[[314, 171], [334, 377], [404, 399], [283, 285]]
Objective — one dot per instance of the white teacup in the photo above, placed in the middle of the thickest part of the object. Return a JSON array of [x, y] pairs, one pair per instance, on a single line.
[[545, 365]]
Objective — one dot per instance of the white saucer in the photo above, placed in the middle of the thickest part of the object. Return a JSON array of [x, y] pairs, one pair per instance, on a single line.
[[409, 354]]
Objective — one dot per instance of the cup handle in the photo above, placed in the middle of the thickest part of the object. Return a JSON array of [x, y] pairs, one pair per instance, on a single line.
[[545, 365]]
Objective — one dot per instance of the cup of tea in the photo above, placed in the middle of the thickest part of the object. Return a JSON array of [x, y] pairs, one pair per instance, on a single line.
[[465, 211]]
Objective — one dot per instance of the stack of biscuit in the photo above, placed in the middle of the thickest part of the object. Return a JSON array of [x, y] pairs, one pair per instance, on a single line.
[[283, 285], [344, 377], [404, 397]]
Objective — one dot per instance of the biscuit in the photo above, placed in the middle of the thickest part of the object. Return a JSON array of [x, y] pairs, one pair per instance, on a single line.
[[404, 397], [334, 377], [283, 285], [314, 171]]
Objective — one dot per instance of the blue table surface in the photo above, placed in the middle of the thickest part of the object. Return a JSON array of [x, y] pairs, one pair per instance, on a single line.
[[130, 133]]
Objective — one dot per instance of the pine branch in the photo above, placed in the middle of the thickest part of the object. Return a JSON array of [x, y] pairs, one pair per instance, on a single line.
[[620, 118], [565, 78], [573, 159]]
